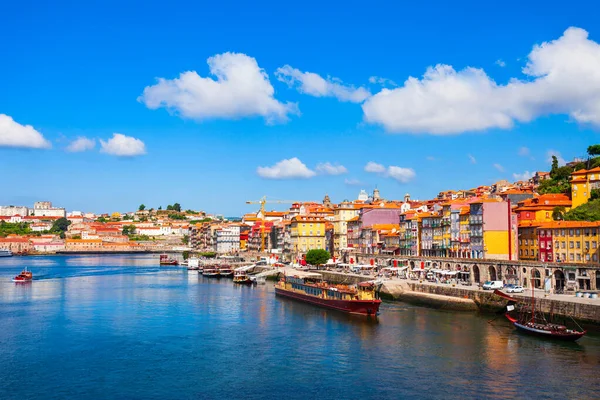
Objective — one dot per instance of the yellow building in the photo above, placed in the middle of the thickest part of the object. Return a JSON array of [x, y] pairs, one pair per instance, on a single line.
[[307, 233], [341, 215], [582, 183], [540, 208]]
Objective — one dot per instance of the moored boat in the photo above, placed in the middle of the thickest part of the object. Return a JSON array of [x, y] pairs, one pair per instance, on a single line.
[[310, 288], [242, 278], [5, 253], [534, 323], [166, 260], [211, 272], [24, 276], [225, 271]]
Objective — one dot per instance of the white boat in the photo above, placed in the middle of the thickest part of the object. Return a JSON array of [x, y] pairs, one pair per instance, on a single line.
[[5, 253], [211, 272], [193, 264]]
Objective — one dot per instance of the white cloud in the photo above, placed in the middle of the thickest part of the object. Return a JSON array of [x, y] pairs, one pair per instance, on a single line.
[[500, 63], [374, 167], [561, 77], [352, 182], [400, 174], [524, 151], [550, 153], [81, 144], [286, 169], [123, 146], [330, 169], [315, 85], [499, 167], [13, 134], [377, 80], [472, 159], [241, 89], [525, 176]]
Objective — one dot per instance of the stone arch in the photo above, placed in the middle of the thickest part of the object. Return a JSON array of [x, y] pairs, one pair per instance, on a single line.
[[412, 264], [536, 278], [511, 275], [492, 272], [559, 280], [598, 279], [434, 265], [476, 274], [448, 267]]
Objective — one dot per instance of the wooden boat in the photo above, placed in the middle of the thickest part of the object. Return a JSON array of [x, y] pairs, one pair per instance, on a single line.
[[211, 272], [309, 288], [243, 278], [23, 277], [225, 272], [166, 260], [534, 323]]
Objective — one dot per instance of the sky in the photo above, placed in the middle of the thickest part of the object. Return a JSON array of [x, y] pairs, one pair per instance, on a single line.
[[107, 105]]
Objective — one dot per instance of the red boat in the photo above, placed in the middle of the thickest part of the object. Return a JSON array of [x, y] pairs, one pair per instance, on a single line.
[[166, 260], [23, 277], [309, 288]]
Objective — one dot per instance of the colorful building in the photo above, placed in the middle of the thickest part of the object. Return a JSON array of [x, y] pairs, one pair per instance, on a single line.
[[307, 233], [582, 184]]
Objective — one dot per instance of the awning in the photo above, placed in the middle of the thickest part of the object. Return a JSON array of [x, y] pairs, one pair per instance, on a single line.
[[417, 270]]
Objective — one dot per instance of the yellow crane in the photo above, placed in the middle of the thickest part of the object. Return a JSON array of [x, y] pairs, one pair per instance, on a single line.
[[262, 203]]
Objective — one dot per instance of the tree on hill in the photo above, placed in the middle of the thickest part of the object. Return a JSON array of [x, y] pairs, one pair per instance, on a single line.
[[60, 226], [593, 150], [589, 211], [128, 230], [141, 207], [558, 213], [159, 208], [317, 257]]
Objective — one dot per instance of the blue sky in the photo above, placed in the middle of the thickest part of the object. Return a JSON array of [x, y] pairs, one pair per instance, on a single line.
[[80, 71]]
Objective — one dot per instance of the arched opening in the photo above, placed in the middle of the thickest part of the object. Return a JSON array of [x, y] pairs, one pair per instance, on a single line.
[[493, 275], [559, 281], [511, 275], [412, 264], [476, 278], [434, 265], [536, 278], [598, 279], [448, 266]]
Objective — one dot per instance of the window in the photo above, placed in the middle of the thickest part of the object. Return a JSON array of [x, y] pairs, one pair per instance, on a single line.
[[556, 244], [594, 244], [543, 245], [547, 215], [578, 257], [520, 242], [578, 245], [594, 232], [526, 252], [587, 232], [594, 257], [521, 253], [577, 232], [542, 232], [571, 257], [587, 257], [526, 242], [587, 245], [571, 244], [563, 244], [562, 232], [570, 232]]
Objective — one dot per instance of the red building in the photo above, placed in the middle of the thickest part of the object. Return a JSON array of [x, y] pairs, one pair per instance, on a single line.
[[545, 244]]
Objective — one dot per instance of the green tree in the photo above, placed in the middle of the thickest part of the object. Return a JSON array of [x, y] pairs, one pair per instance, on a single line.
[[101, 219], [60, 225], [554, 166], [593, 150], [176, 207], [159, 208], [594, 194], [185, 240], [558, 213], [141, 207], [128, 230], [317, 257]]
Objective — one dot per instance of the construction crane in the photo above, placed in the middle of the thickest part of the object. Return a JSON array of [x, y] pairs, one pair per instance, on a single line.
[[262, 203]]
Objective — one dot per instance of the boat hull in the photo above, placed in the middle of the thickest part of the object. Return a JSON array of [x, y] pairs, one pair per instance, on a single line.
[[243, 281], [358, 307], [569, 337]]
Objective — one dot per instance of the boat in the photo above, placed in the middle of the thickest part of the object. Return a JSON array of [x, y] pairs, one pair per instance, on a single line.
[[226, 271], [193, 264], [529, 321], [211, 272], [242, 278], [23, 277], [5, 253], [166, 260], [310, 288]]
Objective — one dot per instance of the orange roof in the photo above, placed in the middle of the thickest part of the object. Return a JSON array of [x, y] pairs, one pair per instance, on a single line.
[[83, 241], [353, 219], [569, 224]]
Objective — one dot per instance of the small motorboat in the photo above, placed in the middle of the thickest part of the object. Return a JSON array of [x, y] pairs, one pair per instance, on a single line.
[[166, 260], [23, 277], [211, 272]]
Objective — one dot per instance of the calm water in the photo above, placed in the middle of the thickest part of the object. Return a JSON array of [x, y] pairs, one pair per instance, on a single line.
[[92, 327]]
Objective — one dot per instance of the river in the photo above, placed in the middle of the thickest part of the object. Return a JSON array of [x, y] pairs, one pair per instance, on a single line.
[[120, 327]]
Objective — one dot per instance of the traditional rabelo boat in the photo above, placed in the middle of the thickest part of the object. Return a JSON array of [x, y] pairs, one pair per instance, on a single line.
[[23, 277], [242, 278], [166, 260], [527, 320], [310, 288]]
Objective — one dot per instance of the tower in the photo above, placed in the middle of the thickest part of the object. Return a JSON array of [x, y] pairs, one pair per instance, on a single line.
[[327, 201], [376, 196]]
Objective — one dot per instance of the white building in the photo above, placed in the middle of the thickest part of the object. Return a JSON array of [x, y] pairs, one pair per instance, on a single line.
[[10, 211], [45, 209], [227, 239]]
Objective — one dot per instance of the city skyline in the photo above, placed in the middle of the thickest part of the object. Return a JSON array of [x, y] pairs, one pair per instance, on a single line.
[[162, 109]]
